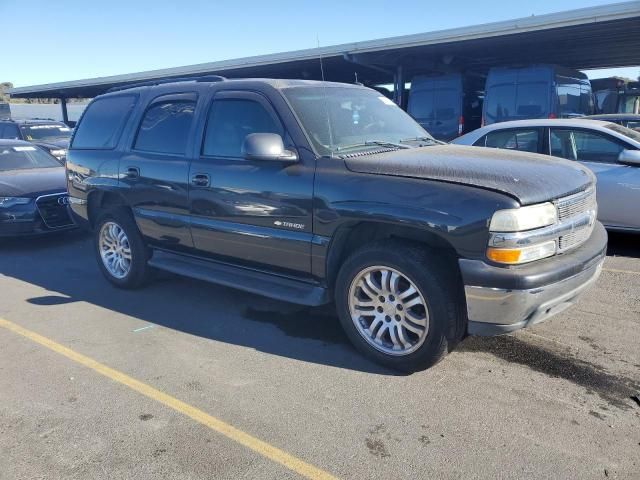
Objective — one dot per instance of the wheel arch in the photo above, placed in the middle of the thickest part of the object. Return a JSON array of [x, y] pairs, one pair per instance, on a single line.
[[350, 238], [100, 200]]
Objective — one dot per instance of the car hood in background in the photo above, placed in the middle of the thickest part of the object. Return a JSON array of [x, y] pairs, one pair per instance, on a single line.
[[527, 177], [33, 182], [54, 144]]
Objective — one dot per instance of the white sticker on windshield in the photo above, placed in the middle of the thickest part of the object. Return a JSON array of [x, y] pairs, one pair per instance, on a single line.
[[24, 149], [386, 101]]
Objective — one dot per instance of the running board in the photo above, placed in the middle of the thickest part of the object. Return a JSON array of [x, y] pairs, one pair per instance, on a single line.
[[260, 283]]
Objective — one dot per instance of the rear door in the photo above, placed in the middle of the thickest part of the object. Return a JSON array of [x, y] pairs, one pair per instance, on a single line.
[[618, 185], [156, 170], [253, 212], [436, 104]]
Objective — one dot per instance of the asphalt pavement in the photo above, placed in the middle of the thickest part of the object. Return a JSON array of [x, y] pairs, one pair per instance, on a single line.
[[187, 380]]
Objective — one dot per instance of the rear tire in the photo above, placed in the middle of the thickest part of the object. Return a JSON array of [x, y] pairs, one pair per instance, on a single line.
[[397, 304], [120, 249]]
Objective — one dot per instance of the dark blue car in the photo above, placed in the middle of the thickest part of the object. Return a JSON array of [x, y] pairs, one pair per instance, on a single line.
[[33, 192]]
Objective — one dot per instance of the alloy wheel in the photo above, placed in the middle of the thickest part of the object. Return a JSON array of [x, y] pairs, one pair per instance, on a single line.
[[388, 310], [115, 250]]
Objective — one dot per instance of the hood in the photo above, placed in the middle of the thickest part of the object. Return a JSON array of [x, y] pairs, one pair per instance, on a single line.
[[527, 177], [55, 144], [33, 182]]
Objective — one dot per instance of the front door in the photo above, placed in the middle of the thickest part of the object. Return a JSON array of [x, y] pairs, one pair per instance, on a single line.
[[618, 186], [256, 213]]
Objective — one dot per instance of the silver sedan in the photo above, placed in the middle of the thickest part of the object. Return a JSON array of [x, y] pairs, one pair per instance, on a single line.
[[611, 151]]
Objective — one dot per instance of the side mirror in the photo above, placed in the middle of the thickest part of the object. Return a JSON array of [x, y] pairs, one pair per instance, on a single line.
[[630, 157], [266, 146]]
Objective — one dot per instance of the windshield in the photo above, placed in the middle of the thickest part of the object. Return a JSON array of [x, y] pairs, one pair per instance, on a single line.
[[45, 132], [632, 134], [20, 157], [341, 118]]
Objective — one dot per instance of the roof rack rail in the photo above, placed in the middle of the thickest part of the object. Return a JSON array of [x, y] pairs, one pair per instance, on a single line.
[[151, 83]]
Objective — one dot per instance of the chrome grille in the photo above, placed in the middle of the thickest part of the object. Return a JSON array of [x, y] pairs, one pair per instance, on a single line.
[[574, 238], [576, 204], [571, 207]]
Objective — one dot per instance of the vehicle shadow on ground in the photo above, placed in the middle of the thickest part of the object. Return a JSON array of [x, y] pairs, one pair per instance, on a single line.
[[65, 266], [624, 245]]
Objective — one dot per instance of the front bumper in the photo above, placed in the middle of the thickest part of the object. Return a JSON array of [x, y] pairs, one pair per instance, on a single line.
[[28, 228], [28, 220], [501, 300]]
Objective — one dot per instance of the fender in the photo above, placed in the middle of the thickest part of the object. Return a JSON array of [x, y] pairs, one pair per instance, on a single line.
[[440, 214]]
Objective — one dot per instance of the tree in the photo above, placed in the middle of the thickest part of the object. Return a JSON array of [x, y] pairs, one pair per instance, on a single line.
[[4, 86]]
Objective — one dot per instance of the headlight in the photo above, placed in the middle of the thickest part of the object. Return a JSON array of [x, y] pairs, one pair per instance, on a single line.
[[58, 153], [524, 218], [515, 256], [6, 202]]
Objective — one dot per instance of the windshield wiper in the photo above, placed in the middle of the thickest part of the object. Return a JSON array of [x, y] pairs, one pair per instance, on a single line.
[[372, 143], [420, 139]]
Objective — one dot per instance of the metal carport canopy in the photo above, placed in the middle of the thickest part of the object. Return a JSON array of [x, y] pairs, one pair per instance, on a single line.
[[595, 37]]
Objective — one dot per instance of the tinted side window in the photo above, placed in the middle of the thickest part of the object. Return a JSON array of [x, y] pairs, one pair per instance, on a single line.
[[102, 121], [594, 147], [523, 140], [561, 144], [569, 100], [230, 121], [583, 145], [165, 127], [606, 101], [9, 131]]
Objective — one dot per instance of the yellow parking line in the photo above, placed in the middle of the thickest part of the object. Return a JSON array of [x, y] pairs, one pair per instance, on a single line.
[[620, 271], [229, 431]]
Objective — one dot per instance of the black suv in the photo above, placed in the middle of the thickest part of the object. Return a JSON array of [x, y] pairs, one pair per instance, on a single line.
[[316, 192], [48, 134]]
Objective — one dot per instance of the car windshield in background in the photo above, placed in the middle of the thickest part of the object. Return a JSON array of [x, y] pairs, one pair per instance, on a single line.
[[45, 132], [337, 119], [24, 157], [632, 134]]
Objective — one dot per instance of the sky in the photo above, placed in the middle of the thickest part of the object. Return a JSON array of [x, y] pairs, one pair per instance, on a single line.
[[74, 39]]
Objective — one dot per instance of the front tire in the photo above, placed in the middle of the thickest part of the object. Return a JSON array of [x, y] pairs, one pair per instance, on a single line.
[[397, 305], [120, 250]]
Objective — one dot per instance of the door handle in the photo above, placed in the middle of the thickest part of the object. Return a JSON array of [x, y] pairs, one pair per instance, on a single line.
[[200, 180], [133, 172]]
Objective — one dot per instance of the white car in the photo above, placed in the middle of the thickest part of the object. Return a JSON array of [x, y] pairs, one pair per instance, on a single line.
[[611, 151]]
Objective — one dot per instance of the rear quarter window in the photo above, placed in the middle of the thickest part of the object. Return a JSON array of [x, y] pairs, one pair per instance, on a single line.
[[102, 122], [525, 140], [165, 127]]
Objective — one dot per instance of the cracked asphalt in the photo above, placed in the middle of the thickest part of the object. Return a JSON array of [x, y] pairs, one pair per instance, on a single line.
[[551, 402]]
